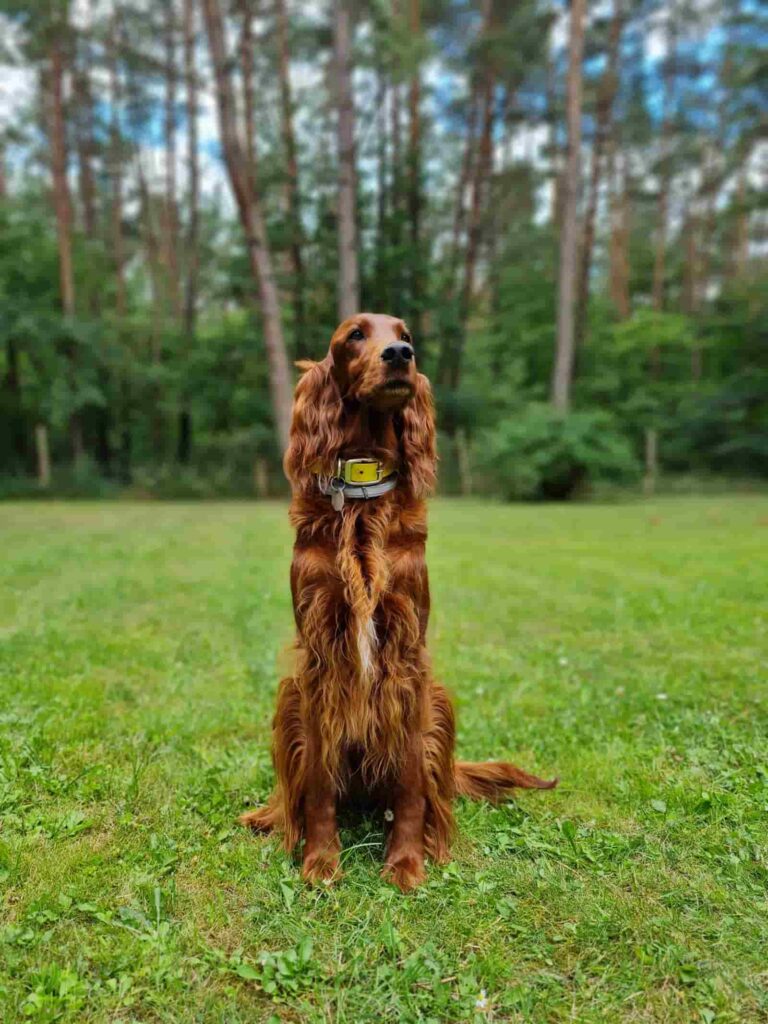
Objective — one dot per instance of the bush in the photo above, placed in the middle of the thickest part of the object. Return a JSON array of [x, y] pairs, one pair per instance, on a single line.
[[543, 455], [81, 481], [168, 481]]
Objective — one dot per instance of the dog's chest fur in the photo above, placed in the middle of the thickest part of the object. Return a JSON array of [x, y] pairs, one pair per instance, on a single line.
[[364, 565]]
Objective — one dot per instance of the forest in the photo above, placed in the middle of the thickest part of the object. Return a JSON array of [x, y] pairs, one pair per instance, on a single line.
[[566, 202]]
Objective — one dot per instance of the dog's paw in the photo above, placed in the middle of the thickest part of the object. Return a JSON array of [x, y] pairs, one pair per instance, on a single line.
[[321, 868], [261, 820], [406, 871]]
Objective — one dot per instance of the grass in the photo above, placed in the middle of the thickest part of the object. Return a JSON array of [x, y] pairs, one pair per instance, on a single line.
[[620, 647]]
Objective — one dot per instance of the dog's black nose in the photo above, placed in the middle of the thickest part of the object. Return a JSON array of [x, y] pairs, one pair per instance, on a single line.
[[402, 352]]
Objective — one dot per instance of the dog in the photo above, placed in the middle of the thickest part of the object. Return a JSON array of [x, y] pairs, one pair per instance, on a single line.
[[362, 719]]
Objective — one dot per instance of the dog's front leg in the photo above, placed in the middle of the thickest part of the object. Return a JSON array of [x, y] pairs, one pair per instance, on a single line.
[[321, 846], [404, 862]]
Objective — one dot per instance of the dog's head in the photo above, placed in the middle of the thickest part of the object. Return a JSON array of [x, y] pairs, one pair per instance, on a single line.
[[370, 368], [374, 361]]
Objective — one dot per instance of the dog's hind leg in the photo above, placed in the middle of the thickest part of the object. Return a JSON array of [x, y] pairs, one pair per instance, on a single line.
[[283, 810], [438, 743], [268, 818]]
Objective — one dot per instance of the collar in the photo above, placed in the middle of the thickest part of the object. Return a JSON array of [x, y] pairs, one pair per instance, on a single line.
[[356, 480]]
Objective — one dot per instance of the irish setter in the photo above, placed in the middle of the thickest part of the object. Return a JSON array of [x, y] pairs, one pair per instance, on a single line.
[[362, 720]]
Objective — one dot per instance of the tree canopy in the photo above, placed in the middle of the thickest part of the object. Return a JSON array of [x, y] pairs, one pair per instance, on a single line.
[[567, 204]]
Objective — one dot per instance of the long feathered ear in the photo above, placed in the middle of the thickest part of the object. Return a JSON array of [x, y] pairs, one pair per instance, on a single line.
[[316, 424], [418, 440]]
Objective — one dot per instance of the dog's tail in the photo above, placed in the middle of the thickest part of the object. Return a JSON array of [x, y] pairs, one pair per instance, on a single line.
[[490, 780]]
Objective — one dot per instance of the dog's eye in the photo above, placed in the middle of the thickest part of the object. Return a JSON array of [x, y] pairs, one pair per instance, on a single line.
[[405, 336], [356, 335]]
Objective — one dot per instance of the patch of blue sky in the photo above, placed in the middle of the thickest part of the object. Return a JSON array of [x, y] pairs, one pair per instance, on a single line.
[[141, 123], [212, 148]]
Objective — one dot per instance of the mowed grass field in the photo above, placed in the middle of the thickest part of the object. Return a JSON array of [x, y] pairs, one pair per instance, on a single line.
[[623, 648]]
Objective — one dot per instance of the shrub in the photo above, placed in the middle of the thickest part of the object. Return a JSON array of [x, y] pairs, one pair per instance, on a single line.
[[81, 481], [543, 455]]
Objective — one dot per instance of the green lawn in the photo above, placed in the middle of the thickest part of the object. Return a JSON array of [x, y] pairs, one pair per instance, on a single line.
[[622, 648]]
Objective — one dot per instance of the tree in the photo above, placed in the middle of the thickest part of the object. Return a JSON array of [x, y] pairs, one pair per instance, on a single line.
[[562, 375], [191, 242], [248, 200], [292, 193], [170, 218], [603, 141], [349, 274], [475, 172], [664, 166], [115, 165]]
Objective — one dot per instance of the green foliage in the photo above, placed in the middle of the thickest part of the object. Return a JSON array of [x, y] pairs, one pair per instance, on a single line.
[[540, 454], [165, 410], [81, 480], [647, 330]]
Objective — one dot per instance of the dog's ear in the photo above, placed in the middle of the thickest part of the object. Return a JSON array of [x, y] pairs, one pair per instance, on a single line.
[[316, 424], [418, 441]]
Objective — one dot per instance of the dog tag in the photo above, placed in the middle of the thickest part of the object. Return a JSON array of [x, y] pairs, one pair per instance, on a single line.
[[337, 494]]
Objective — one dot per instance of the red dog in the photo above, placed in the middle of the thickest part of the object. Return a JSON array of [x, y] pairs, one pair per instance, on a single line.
[[362, 717]]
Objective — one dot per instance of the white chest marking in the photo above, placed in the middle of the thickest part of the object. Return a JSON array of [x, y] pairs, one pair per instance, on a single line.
[[367, 641]]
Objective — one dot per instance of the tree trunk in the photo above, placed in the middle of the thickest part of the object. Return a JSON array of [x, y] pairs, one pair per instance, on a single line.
[[483, 167], [248, 71], [63, 207], [694, 270], [260, 477], [252, 220], [153, 247], [115, 173], [465, 176], [651, 461], [618, 256], [170, 213], [395, 131], [480, 165], [43, 455], [116, 170], [84, 137], [660, 256], [689, 232], [463, 462], [349, 278], [193, 161], [603, 128], [414, 178], [292, 195], [562, 377], [741, 241], [556, 171], [396, 275], [184, 441], [382, 192], [61, 198], [712, 175], [665, 173], [697, 231], [153, 243]]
